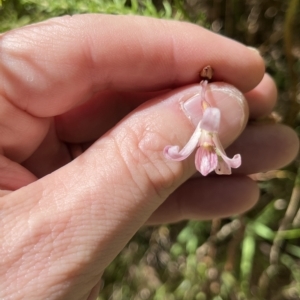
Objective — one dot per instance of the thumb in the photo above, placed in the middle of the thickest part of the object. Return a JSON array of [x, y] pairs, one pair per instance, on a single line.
[[90, 208]]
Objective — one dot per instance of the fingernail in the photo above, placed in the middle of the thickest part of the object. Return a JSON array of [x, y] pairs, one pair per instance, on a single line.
[[224, 96], [254, 50], [192, 107], [231, 102]]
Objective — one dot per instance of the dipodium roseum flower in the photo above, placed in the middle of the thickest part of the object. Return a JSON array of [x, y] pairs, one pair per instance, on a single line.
[[210, 154]]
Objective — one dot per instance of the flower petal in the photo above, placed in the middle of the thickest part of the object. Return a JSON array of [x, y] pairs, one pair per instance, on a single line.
[[211, 119], [173, 153], [234, 162], [203, 85], [206, 160], [223, 168]]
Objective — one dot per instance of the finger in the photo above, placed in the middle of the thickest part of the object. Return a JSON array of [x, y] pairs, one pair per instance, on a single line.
[[90, 120], [265, 147], [207, 198], [79, 217], [87, 122], [52, 153], [262, 98], [91, 125], [21, 133], [78, 65], [211, 197], [95, 291], [13, 176]]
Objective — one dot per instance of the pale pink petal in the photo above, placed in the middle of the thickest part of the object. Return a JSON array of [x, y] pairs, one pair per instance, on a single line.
[[223, 168], [211, 119], [206, 160], [234, 162], [225, 164], [203, 85], [173, 153]]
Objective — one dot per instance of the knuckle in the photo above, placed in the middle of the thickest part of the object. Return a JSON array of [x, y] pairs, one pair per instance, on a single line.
[[141, 150]]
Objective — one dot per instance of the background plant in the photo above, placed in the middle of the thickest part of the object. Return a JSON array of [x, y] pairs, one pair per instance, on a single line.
[[251, 256]]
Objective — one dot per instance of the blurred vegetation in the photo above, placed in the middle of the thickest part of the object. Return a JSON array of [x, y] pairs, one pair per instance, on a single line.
[[251, 256]]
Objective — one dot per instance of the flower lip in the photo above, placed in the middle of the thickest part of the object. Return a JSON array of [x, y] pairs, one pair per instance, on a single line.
[[206, 160]]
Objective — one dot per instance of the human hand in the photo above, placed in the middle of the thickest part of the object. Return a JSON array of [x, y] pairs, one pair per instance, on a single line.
[[113, 86]]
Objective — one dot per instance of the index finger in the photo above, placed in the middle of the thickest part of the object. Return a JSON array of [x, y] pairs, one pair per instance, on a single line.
[[50, 67]]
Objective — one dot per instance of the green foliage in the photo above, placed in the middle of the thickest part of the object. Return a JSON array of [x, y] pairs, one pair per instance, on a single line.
[[16, 13], [255, 256]]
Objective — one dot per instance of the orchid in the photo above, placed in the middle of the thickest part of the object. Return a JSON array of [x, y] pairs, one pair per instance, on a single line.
[[210, 154]]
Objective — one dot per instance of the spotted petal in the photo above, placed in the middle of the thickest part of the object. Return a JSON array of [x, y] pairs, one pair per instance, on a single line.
[[225, 164]]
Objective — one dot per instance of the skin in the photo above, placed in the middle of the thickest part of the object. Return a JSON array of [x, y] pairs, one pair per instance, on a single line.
[[68, 89]]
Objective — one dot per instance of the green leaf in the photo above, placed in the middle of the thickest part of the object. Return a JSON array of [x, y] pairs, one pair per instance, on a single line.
[[168, 9], [192, 244], [289, 234], [185, 234], [293, 249], [263, 231], [248, 251]]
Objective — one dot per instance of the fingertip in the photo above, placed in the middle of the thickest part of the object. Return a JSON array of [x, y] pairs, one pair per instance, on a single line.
[[257, 66], [265, 147], [249, 188], [208, 198], [262, 98], [246, 72], [291, 144], [224, 196], [233, 107]]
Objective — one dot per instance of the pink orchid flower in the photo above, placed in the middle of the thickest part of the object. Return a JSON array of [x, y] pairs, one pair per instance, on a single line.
[[210, 154]]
